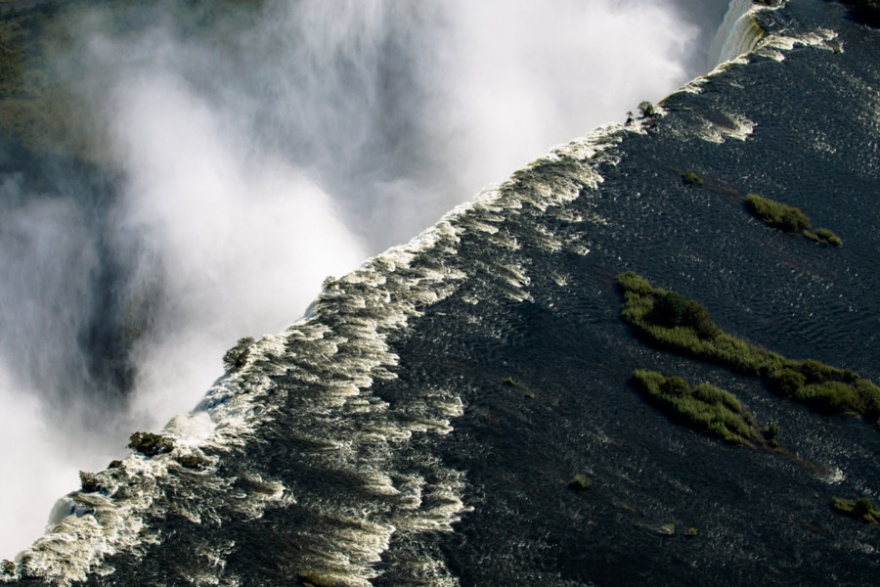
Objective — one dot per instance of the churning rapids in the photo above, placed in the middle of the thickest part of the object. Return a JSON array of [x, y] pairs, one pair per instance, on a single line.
[[421, 424]]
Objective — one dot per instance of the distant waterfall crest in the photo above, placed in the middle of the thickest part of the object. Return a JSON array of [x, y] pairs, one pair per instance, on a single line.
[[738, 33]]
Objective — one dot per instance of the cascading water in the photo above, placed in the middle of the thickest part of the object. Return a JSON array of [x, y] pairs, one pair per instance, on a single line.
[[739, 33]]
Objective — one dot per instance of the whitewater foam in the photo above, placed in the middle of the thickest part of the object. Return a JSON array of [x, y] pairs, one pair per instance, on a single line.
[[738, 34], [777, 45]]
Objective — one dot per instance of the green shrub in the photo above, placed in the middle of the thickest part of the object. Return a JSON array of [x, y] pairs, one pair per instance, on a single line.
[[777, 214], [786, 382], [703, 408], [771, 434], [827, 236], [150, 444], [668, 320], [869, 395], [789, 219], [824, 236], [236, 357], [669, 309], [647, 110], [831, 397], [632, 282], [860, 509], [818, 372]]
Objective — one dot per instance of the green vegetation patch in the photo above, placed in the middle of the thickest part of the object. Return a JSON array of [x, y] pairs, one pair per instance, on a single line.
[[777, 214], [789, 219], [704, 408], [236, 357], [580, 482], [690, 177], [192, 461], [647, 110], [860, 509], [668, 320], [824, 236]]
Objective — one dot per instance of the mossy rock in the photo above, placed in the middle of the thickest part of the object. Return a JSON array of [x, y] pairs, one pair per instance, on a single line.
[[690, 177], [89, 482], [580, 482], [7, 568], [192, 461], [150, 444]]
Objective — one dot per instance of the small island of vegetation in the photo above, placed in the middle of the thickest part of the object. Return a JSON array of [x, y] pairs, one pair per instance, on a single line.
[[788, 219], [860, 509], [668, 320], [704, 408]]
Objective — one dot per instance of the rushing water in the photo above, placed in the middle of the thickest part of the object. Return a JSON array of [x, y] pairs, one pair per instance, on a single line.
[[380, 440]]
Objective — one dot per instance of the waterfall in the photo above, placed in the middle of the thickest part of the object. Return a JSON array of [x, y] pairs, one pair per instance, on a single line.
[[738, 33]]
